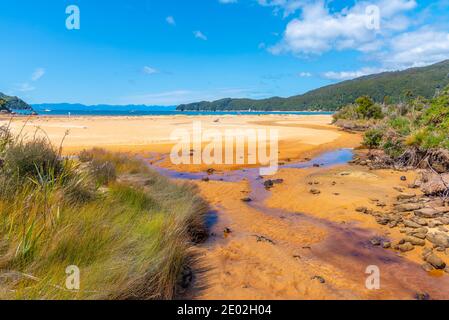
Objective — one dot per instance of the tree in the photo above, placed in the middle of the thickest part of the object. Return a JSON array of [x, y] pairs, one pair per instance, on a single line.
[[368, 109]]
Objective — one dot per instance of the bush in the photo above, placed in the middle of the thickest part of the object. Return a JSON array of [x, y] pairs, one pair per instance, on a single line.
[[373, 138]]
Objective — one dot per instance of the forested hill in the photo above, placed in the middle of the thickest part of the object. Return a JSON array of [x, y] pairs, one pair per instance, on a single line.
[[8, 104], [394, 86]]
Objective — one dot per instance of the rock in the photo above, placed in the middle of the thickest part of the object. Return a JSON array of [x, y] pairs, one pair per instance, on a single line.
[[415, 241], [406, 247], [426, 252], [403, 178], [210, 171], [247, 199], [411, 224], [420, 221], [315, 191], [383, 221], [268, 184], [361, 209], [381, 204], [434, 223], [264, 239], [436, 261], [375, 242], [427, 267], [406, 207], [206, 179], [420, 236], [386, 245], [406, 196], [439, 239], [432, 183], [422, 296], [316, 165], [399, 189], [227, 231], [428, 213], [320, 279]]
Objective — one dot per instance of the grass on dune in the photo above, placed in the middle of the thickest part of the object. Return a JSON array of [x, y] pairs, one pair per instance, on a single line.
[[126, 228]]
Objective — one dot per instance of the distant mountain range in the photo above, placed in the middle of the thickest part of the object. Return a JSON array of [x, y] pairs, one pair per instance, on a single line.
[[424, 81], [13, 104]]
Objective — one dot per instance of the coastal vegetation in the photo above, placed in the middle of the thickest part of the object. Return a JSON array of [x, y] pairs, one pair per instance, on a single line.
[[388, 87], [128, 230], [407, 133], [8, 104]]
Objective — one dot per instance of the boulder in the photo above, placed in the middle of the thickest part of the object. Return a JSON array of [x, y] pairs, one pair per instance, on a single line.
[[432, 183]]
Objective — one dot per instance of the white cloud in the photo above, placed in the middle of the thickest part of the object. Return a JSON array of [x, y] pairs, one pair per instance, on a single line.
[[227, 1], [288, 6], [319, 30], [199, 35], [418, 48], [37, 74], [348, 75], [170, 20], [304, 74], [149, 70], [25, 87]]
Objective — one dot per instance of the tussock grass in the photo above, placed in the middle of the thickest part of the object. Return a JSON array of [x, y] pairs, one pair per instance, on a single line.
[[131, 238]]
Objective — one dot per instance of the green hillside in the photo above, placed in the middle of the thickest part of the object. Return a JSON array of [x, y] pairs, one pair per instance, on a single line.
[[7, 104], [394, 86]]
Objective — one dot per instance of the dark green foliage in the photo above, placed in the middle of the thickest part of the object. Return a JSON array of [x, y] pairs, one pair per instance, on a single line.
[[13, 103], [368, 109], [387, 87], [373, 138]]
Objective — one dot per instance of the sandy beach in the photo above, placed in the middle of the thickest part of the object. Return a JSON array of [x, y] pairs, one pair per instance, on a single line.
[[290, 243]]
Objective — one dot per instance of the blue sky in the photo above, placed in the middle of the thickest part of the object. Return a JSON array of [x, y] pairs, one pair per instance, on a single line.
[[172, 51]]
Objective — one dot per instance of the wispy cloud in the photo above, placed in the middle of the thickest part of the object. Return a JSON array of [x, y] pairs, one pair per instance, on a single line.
[[227, 1], [37, 74], [149, 70], [25, 87], [199, 35], [170, 20]]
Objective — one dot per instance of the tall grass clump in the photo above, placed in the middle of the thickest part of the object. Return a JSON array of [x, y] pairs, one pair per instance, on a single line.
[[131, 239]]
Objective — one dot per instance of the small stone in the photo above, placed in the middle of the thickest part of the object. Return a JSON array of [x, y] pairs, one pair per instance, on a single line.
[[427, 267], [436, 261], [411, 224], [386, 245], [315, 191], [320, 279], [406, 196], [415, 241], [403, 178], [375, 242], [361, 209], [206, 179], [247, 199], [406, 247], [428, 213], [422, 296]]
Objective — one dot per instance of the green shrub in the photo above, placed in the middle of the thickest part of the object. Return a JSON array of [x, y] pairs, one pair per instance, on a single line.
[[373, 138]]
